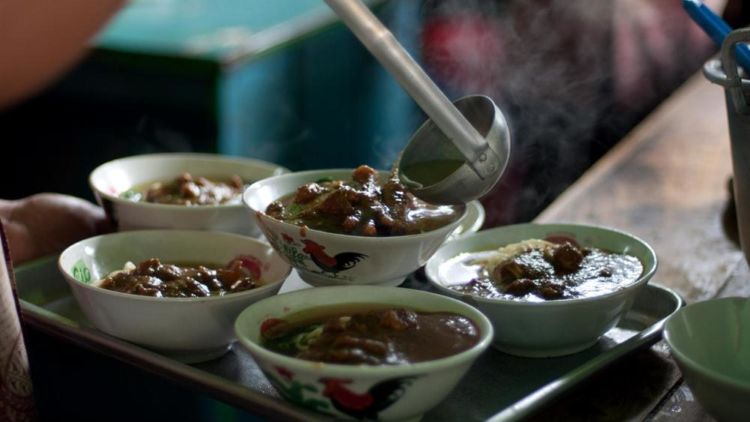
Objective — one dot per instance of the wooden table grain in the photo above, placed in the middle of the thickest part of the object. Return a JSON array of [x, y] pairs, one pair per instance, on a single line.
[[666, 182]]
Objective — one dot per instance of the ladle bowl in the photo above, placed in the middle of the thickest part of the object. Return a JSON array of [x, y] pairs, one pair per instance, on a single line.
[[437, 172]]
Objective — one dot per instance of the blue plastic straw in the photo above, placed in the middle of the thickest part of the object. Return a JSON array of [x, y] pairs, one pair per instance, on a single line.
[[716, 28]]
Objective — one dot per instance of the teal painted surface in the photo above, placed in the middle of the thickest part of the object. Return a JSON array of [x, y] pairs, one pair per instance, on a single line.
[[312, 98], [322, 103], [204, 28], [258, 108]]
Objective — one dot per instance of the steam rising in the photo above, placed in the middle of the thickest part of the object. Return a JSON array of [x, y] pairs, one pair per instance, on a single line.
[[556, 69], [549, 82]]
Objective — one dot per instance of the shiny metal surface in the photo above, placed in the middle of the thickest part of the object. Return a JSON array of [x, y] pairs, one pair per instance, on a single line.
[[429, 144], [480, 157], [737, 92]]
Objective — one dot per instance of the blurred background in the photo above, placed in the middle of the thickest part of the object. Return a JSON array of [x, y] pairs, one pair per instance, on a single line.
[[284, 81]]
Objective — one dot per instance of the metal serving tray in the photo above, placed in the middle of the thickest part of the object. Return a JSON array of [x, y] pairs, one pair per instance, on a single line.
[[498, 387]]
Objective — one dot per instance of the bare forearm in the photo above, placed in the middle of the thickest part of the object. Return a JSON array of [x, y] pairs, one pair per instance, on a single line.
[[46, 223], [39, 39]]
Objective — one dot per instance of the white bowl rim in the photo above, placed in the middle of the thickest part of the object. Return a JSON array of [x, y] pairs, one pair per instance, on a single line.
[[380, 371], [692, 363], [218, 158], [474, 206], [323, 234], [644, 277], [237, 295]]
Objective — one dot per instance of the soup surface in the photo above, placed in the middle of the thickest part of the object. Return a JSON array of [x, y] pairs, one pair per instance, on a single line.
[[376, 335], [153, 278], [361, 206], [188, 190], [537, 270]]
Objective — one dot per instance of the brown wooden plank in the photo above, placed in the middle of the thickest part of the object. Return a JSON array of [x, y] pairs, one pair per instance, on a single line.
[[667, 183]]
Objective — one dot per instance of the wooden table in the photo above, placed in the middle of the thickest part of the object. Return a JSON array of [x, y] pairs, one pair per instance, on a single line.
[[666, 182]]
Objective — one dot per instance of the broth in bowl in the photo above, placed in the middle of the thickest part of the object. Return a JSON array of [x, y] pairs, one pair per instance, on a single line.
[[179, 191], [153, 278], [538, 270], [370, 335], [189, 190], [322, 234], [361, 206], [549, 297], [189, 325], [399, 383]]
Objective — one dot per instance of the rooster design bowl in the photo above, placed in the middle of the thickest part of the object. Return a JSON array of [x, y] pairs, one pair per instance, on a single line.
[[382, 392], [323, 258]]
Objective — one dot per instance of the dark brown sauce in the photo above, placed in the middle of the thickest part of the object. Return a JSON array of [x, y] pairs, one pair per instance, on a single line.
[[152, 278], [371, 335], [361, 206], [563, 271]]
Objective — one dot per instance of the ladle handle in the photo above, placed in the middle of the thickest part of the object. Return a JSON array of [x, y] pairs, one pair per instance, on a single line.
[[392, 55]]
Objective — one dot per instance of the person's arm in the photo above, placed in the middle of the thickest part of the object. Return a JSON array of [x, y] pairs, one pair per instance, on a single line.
[[47, 223], [39, 39]]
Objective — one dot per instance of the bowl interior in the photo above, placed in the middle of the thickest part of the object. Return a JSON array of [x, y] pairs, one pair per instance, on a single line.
[[248, 324], [585, 235], [115, 177], [92, 259], [713, 337], [263, 192], [260, 194]]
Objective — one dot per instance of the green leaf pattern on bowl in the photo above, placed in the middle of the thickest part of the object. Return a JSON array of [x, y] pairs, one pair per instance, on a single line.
[[81, 272], [295, 257], [295, 391]]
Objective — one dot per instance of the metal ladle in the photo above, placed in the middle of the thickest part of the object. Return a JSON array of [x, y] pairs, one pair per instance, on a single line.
[[461, 152]]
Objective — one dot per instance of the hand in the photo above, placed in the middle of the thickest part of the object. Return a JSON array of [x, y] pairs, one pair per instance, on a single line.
[[47, 223]]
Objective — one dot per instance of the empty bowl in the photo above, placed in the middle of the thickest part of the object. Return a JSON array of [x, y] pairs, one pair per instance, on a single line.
[[710, 341]]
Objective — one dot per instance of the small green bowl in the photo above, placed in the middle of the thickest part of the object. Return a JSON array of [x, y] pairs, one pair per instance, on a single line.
[[710, 341]]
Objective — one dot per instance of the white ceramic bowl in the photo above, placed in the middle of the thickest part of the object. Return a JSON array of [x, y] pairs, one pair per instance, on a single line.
[[111, 179], [710, 341], [421, 385], [381, 260], [471, 223], [548, 328], [189, 329]]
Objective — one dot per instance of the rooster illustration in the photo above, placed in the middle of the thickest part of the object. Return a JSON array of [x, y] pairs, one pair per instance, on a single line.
[[331, 264], [364, 405]]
